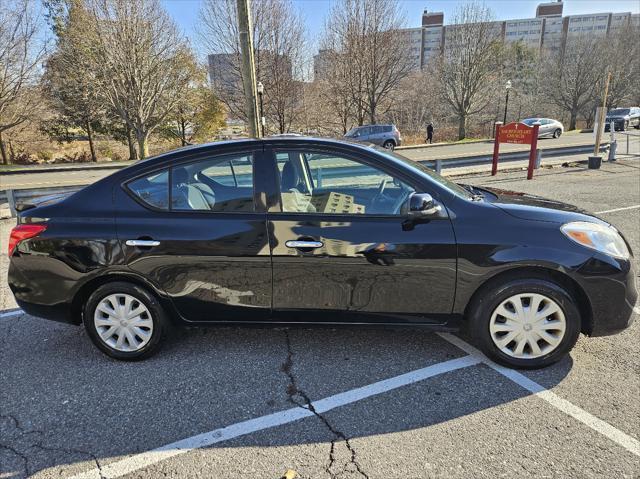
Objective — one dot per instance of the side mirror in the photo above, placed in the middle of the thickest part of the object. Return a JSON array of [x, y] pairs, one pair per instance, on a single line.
[[422, 205]]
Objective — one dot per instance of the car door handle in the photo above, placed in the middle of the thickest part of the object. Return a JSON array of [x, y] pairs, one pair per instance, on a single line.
[[142, 243], [304, 244]]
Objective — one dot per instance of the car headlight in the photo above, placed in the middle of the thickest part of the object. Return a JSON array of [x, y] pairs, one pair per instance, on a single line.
[[605, 239]]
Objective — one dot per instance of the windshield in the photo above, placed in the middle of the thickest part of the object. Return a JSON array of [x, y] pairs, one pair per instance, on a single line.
[[619, 111], [530, 121], [450, 185], [352, 132]]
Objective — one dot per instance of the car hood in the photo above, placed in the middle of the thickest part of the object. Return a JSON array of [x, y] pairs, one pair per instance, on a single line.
[[533, 207]]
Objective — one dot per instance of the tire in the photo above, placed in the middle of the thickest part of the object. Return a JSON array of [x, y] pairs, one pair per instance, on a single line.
[[389, 145], [484, 320], [147, 328], [557, 133]]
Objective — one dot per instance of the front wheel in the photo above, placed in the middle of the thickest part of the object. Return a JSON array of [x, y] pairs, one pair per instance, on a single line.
[[525, 323], [557, 133], [124, 321], [389, 145]]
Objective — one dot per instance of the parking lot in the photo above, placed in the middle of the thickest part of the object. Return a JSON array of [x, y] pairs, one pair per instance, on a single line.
[[348, 403]]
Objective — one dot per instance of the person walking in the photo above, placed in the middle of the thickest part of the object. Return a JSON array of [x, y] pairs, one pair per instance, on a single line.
[[429, 133]]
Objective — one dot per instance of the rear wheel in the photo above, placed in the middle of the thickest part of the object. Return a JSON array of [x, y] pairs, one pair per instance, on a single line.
[[124, 321], [525, 323], [557, 133], [389, 145]]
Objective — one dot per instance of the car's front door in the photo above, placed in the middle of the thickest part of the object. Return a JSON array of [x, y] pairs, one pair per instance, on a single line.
[[339, 247], [195, 231]]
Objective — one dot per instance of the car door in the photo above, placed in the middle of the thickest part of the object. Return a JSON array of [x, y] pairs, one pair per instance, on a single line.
[[196, 231], [339, 248]]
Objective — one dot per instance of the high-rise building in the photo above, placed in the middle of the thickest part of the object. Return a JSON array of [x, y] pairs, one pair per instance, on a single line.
[[547, 31], [224, 69]]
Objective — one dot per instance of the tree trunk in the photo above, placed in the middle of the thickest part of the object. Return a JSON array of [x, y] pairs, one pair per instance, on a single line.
[[143, 147], [573, 119], [183, 133], [94, 158], [5, 158], [12, 153], [462, 127], [132, 149]]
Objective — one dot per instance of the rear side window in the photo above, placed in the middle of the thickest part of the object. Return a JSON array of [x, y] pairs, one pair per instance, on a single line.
[[387, 128], [153, 189], [223, 184]]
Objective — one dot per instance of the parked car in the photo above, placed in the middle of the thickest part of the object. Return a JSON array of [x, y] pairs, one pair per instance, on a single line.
[[296, 230], [622, 119], [386, 136], [549, 128]]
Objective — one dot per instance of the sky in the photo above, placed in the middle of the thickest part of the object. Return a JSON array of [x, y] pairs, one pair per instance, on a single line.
[[185, 12]]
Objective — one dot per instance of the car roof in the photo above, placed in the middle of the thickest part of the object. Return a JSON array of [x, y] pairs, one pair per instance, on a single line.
[[283, 139]]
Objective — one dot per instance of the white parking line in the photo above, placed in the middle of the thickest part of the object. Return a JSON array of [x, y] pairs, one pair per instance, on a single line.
[[618, 209], [12, 312], [629, 443], [145, 459]]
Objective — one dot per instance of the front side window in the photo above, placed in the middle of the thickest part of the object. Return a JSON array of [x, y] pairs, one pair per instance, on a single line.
[[223, 184], [153, 189], [327, 183]]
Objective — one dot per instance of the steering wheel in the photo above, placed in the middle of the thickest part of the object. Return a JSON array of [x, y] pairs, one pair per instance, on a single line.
[[380, 193], [402, 197]]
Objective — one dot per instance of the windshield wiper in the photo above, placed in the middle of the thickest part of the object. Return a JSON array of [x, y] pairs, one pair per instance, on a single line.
[[476, 195]]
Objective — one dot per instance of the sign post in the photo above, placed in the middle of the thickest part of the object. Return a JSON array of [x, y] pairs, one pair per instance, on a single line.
[[518, 134], [496, 147]]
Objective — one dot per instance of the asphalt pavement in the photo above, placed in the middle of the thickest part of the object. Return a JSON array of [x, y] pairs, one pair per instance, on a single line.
[[348, 403]]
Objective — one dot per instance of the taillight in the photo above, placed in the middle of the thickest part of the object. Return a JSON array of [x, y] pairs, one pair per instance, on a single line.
[[23, 232]]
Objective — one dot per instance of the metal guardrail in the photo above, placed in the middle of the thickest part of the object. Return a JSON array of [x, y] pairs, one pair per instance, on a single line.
[[13, 197]]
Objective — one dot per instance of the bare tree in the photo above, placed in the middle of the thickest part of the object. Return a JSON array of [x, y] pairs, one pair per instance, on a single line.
[[466, 72], [279, 47], [370, 55], [20, 55], [142, 63], [622, 58], [573, 75]]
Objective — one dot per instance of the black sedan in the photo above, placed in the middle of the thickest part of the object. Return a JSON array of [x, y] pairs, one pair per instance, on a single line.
[[301, 231], [622, 119]]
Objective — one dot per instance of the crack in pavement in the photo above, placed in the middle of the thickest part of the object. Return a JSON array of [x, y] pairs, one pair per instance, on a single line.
[[293, 392], [37, 444]]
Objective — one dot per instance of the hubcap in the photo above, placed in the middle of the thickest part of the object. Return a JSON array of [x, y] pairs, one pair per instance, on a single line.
[[123, 323], [527, 326]]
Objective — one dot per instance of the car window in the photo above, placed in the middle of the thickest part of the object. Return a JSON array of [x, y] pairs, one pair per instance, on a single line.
[[153, 189], [619, 111], [387, 128], [220, 184], [327, 183]]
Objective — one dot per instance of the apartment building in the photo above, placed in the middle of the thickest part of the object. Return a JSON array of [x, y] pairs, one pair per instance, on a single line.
[[224, 68], [548, 31]]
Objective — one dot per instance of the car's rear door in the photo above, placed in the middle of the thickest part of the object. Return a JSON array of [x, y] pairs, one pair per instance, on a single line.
[[197, 231], [340, 251]]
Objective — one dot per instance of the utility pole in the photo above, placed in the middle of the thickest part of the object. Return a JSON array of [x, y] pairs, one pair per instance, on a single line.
[[248, 67]]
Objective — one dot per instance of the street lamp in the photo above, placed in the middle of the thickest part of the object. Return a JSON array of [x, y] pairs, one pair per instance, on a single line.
[[260, 88], [506, 101]]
